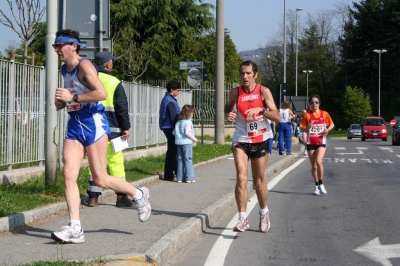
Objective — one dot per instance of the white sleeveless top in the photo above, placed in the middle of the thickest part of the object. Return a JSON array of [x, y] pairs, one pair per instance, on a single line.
[[284, 114]]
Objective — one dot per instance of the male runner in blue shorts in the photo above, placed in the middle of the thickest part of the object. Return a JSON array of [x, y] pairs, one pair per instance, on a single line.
[[87, 133]]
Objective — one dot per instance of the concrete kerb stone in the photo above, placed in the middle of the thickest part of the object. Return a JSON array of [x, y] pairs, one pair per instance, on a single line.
[[11, 222], [21, 175], [164, 249], [170, 244]]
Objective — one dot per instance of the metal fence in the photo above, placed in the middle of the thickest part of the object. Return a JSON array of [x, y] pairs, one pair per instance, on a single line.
[[203, 99], [22, 118], [22, 112]]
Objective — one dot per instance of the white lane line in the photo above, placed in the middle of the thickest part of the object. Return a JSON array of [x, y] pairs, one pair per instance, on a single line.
[[362, 148], [224, 241], [339, 148]]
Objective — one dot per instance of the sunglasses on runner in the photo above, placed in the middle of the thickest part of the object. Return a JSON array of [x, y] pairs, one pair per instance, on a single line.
[[60, 45], [316, 102]]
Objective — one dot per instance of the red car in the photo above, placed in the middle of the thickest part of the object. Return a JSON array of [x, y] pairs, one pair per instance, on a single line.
[[373, 127]]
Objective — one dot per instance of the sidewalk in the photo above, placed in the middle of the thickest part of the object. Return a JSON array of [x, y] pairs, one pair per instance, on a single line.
[[180, 212]]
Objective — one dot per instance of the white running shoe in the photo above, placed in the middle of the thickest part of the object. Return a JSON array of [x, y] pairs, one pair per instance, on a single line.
[[68, 234], [305, 151], [322, 189], [241, 225], [316, 191], [143, 205], [265, 223]]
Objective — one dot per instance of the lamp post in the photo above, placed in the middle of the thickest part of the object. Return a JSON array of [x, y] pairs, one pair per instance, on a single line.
[[307, 72], [379, 86], [297, 44], [284, 41]]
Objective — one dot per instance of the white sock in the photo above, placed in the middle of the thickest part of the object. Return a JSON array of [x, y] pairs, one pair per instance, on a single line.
[[242, 214], [76, 224], [264, 211], [138, 195]]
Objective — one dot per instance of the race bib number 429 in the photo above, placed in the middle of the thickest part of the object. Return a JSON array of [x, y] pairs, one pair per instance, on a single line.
[[317, 129]]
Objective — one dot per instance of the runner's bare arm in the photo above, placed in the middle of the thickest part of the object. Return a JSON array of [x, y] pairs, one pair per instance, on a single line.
[[88, 76], [272, 112], [230, 114]]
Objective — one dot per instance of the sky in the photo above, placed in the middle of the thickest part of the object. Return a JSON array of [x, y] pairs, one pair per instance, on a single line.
[[251, 23]]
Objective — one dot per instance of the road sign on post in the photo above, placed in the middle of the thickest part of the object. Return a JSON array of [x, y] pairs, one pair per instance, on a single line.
[[190, 65], [91, 19], [93, 47], [195, 78]]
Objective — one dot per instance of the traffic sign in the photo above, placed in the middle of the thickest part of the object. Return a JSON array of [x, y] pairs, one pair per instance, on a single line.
[[392, 122], [190, 65], [93, 47]]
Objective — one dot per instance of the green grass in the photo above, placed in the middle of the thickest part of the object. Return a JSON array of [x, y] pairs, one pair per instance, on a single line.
[[33, 194], [228, 138]]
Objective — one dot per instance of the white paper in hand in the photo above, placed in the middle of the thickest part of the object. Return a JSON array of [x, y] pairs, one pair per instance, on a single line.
[[119, 144]]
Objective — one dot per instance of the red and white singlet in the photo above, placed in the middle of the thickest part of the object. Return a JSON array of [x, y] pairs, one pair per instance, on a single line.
[[250, 129], [317, 126]]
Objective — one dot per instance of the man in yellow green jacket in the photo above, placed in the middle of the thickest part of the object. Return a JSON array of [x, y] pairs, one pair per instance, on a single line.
[[116, 110]]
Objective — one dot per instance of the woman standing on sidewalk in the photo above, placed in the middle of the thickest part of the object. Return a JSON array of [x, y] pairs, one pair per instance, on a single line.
[[317, 123], [285, 128]]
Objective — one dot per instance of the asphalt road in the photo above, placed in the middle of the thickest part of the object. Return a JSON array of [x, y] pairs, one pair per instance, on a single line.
[[356, 223]]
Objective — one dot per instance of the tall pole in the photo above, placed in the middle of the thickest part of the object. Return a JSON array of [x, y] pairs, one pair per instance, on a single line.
[[51, 142], [379, 79], [307, 72], [284, 41], [219, 76], [379, 86], [297, 45], [307, 84]]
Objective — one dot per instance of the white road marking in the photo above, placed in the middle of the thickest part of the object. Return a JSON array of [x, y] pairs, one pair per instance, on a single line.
[[342, 153], [224, 241], [379, 253], [339, 148], [362, 148]]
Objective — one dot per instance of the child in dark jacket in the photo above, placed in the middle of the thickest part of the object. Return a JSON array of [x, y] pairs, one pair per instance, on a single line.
[[184, 138]]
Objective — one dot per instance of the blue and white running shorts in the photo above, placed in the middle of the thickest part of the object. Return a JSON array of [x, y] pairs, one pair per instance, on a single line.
[[87, 129]]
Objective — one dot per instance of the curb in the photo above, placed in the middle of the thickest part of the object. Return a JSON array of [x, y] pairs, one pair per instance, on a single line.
[[14, 221], [167, 246], [170, 244]]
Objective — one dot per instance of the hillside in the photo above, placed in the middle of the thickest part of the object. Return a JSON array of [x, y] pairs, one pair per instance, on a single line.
[[253, 55]]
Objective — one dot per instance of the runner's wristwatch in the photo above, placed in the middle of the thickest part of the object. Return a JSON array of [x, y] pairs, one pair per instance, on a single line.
[[75, 98], [263, 111]]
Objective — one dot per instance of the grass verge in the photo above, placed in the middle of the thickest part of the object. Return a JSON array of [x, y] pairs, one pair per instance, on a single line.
[[33, 194]]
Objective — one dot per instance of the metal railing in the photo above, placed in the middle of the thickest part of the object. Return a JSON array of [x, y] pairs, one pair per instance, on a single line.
[[203, 99], [22, 112]]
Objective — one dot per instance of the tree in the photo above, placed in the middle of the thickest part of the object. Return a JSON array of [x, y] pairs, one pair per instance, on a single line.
[[356, 105], [29, 15], [374, 24], [163, 26]]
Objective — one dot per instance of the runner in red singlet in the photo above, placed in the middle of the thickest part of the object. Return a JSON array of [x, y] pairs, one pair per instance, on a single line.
[[255, 105], [317, 123]]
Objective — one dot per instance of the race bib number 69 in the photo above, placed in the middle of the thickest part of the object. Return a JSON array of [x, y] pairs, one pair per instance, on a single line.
[[256, 128]]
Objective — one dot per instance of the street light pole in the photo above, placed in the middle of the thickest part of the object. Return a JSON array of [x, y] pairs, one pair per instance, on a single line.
[[284, 41], [307, 72], [379, 86], [297, 44]]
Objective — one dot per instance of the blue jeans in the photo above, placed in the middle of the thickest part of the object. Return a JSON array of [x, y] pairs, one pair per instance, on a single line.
[[285, 135], [270, 143], [185, 163]]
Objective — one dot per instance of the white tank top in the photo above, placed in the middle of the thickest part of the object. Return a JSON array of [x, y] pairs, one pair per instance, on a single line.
[[284, 114]]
